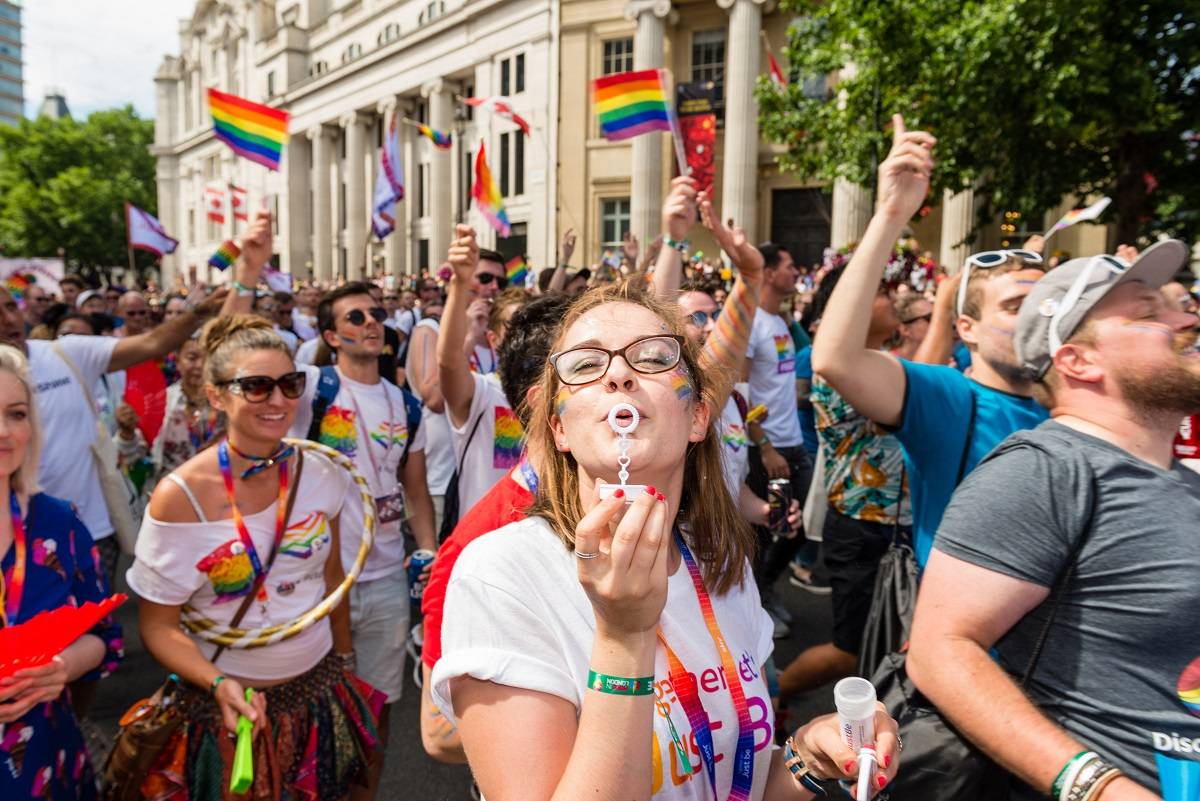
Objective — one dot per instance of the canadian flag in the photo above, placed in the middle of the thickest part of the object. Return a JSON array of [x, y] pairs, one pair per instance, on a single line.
[[237, 199], [499, 105], [214, 201]]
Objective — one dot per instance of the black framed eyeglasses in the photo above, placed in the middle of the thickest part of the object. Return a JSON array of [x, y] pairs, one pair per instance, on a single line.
[[257, 388], [358, 317], [648, 355], [701, 318], [487, 278]]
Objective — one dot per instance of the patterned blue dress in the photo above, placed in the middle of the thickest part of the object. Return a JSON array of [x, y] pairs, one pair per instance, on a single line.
[[42, 755]]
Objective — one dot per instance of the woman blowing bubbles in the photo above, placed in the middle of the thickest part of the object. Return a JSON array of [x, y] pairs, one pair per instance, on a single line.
[[610, 651]]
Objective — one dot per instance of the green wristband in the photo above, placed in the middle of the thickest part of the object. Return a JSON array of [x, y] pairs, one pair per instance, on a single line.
[[215, 684], [1056, 788], [619, 685]]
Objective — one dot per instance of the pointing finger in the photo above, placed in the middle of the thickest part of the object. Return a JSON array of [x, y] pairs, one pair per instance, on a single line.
[[898, 129]]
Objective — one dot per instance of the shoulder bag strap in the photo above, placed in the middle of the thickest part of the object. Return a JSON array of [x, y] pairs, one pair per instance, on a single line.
[[258, 581], [966, 451], [74, 368]]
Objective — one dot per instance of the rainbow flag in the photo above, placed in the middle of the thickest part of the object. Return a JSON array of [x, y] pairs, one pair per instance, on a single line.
[[441, 141], [630, 103], [487, 195], [1081, 215], [517, 271], [16, 284], [226, 255], [253, 131]]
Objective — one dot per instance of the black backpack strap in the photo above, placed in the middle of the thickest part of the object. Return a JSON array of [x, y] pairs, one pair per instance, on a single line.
[[966, 451], [327, 389], [412, 416], [743, 406]]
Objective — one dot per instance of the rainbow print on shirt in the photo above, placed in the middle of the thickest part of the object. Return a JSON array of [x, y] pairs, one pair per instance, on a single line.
[[229, 571], [338, 430], [508, 440], [390, 434], [734, 437], [306, 537], [784, 354]]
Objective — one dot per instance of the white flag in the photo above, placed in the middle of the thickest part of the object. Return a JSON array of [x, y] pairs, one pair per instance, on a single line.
[[1081, 215], [146, 233], [389, 184], [276, 280]]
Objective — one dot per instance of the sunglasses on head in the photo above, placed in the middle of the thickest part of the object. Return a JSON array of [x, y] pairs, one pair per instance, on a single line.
[[257, 388], [987, 260], [1115, 266], [918, 318], [358, 317], [701, 318], [487, 278]]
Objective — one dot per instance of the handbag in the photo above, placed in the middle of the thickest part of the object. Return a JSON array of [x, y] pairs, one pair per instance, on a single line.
[[118, 493], [451, 510], [148, 727]]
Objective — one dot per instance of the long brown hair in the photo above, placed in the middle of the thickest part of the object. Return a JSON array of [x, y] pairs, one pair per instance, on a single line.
[[721, 540]]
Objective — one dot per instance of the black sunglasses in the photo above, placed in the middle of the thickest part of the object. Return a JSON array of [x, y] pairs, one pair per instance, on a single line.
[[487, 278], [918, 318], [257, 388], [357, 317], [701, 318]]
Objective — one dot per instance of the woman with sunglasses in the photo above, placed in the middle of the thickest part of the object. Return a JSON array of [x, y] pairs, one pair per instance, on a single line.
[[218, 537], [615, 636]]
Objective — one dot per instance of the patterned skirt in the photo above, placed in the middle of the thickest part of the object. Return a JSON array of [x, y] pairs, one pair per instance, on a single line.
[[319, 739]]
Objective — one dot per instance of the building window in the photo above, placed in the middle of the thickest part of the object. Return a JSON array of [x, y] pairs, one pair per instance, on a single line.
[[390, 33], [271, 84], [318, 68], [504, 164], [618, 56], [468, 111], [614, 221], [708, 60], [518, 163], [432, 11], [423, 190], [342, 205], [352, 51], [520, 70], [422, 112], [505, 76], [423, 254]]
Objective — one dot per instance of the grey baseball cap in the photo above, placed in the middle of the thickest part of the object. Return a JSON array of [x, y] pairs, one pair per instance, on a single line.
[[1056, 306]]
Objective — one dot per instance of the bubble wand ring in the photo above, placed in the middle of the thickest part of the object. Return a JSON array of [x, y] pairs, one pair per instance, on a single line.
[[622, 429], [211, 631]]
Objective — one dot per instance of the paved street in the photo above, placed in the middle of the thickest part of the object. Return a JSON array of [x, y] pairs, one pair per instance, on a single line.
[[410, 774]]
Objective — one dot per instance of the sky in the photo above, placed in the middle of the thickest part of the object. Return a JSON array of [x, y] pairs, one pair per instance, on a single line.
[[98, 53]]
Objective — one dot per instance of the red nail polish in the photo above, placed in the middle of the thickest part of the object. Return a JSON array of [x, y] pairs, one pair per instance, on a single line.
[[887, 760], [619, 493], [651, 490], [848, 767], [881, 781], [662, 497]]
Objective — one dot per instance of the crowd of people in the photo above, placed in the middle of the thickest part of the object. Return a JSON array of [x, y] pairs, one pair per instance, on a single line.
[[596, 485]]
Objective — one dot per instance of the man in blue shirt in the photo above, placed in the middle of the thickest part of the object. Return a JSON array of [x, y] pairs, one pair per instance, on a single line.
[[946, 421]]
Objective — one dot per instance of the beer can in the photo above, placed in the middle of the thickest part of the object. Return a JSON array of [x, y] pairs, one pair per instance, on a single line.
[[416, 566], [779, 500]]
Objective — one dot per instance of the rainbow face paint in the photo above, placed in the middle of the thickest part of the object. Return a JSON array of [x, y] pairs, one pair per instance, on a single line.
[[347, 340], [681, 385], [560, 402], [1156, 328]]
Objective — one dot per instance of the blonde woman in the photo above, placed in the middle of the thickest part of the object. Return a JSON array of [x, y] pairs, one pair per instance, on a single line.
[[48, 561], [213, 527]]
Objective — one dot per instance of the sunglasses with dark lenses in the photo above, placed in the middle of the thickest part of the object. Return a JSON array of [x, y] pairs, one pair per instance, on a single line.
[[257, 388], [487, 278], [357, 317], [701, 318], [918, 318], [648, 355]]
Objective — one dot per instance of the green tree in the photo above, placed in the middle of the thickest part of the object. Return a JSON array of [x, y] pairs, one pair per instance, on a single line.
[[1031, 99], [64, 183]]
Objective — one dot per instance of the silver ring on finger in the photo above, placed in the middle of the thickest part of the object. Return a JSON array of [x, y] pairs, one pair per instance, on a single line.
[[582, 555]]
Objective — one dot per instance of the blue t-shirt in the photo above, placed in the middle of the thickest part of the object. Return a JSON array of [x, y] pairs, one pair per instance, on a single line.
[[808, 419], [934, 428], [962, 357]]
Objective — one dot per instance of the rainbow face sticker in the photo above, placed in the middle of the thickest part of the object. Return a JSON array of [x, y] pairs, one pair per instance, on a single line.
[[1189, 687], [508, 439], [338, 431], [229, 571], [681, 385]]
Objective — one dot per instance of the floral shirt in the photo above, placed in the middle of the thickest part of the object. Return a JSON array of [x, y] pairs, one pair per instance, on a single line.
[[864, 465]]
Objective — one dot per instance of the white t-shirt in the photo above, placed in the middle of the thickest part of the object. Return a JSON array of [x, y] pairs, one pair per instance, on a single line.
[[516, 615], [404, 320], [484, 360], [496, 447], [307, 352], [772, 358], [735, 445], [439, 445], [67, 469], [202, 564], [384, 436], [305, 325], [289, 339]]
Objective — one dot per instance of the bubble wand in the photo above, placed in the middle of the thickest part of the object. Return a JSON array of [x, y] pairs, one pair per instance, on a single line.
[[622, 429], [242, 775]]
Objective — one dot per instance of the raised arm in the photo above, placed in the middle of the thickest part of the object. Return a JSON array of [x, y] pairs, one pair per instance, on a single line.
[[454, 371], [678, 216], [870, 381], [726, 348], [558, 281], [169, 336], [938, 345], [256, 245], [423, 369]]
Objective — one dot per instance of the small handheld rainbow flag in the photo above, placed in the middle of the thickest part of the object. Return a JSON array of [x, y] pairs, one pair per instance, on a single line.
[[253, 131], [441, 141], [1080, 215], [517, 271], [630, 103], [226, 255], [487, 195]]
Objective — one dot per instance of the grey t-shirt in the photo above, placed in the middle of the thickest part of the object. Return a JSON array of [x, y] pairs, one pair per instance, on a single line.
[[1121, 666]]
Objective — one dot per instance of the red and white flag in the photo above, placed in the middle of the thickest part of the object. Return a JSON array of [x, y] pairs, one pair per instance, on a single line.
[[499, 105], [145, 232], [776, 72], [237, 199], [214, 201]]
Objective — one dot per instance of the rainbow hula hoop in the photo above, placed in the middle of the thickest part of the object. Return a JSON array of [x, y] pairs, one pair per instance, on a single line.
[[211, 631]]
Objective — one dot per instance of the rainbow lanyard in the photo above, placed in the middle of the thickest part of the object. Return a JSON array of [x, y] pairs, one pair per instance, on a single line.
[[684, 685], [238, 522], [207, 427], [12, 591], [529, 474]]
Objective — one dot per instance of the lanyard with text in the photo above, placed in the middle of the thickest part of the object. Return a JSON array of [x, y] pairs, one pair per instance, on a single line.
[[684, 686], [239, 523], [11, 591], [529, 474]]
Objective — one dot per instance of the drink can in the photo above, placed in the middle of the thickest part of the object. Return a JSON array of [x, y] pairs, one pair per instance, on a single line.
[[416, 566], [1187, 441], [779, 499]]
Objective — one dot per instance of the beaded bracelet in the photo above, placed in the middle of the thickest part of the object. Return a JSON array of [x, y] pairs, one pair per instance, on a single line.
[[619, 685], [1101, 781], [801, 772], [671, 243]]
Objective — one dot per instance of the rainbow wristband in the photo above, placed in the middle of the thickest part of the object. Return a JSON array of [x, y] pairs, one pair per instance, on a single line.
[[619, 685]]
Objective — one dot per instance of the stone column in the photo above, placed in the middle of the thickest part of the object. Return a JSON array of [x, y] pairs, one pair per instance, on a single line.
[[355, 125], [958, 220], [294, 223], [397, 241], [739, 192], [441, 197], [647, 174], [851, 212], [322, 224]]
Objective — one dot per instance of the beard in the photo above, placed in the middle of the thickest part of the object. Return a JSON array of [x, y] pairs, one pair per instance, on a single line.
[[1173, 390]]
